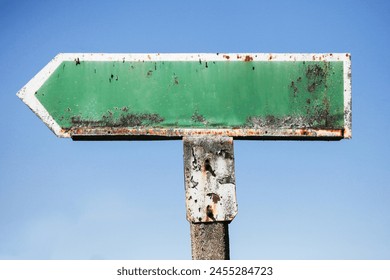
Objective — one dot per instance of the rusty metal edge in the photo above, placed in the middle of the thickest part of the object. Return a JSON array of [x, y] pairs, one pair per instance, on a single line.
[[111, 133]]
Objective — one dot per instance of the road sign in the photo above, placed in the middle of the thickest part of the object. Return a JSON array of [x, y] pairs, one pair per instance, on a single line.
[[206, 99], [265, 96]]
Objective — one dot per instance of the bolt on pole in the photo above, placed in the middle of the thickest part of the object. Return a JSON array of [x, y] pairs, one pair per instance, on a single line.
[[210, 194]]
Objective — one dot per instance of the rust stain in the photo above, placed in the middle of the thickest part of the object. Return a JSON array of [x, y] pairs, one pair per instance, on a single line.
[[262, 133], [303, 132], [215, 198], [210, 213], [248, 58]]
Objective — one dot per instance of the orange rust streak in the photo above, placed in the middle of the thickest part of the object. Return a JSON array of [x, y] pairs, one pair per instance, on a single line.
[[283, 133]]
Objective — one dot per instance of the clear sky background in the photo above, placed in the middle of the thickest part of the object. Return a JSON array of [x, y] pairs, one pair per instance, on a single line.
[[61, 199]]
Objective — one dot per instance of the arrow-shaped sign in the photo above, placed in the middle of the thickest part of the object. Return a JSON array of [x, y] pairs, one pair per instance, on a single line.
[[266, 96]]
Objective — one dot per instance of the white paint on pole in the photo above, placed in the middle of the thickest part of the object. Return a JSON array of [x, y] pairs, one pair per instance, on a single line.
[[209, 179]]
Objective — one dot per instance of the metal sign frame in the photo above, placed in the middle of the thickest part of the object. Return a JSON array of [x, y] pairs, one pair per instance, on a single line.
[[257, 131]]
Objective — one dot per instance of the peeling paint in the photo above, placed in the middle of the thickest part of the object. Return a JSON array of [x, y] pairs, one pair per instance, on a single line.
[[316, 76], [209, 179], [318, 119], [125, 120]]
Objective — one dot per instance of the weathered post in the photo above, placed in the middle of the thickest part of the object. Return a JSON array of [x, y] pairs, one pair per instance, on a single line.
[[210, 194]]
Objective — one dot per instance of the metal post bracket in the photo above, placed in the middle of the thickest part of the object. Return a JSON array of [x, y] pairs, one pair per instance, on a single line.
[[209, 179]]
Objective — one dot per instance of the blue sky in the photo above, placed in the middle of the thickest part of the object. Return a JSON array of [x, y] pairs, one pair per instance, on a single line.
[[61, 199]]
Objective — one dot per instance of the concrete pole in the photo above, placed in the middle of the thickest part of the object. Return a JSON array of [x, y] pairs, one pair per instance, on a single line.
[[210, 194], [210, 241]]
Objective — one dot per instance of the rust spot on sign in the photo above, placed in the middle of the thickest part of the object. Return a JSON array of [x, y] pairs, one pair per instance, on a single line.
[[248, 58], [303, 132]]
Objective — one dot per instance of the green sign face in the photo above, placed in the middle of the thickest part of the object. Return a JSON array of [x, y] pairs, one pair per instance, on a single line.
[[173, 95]]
